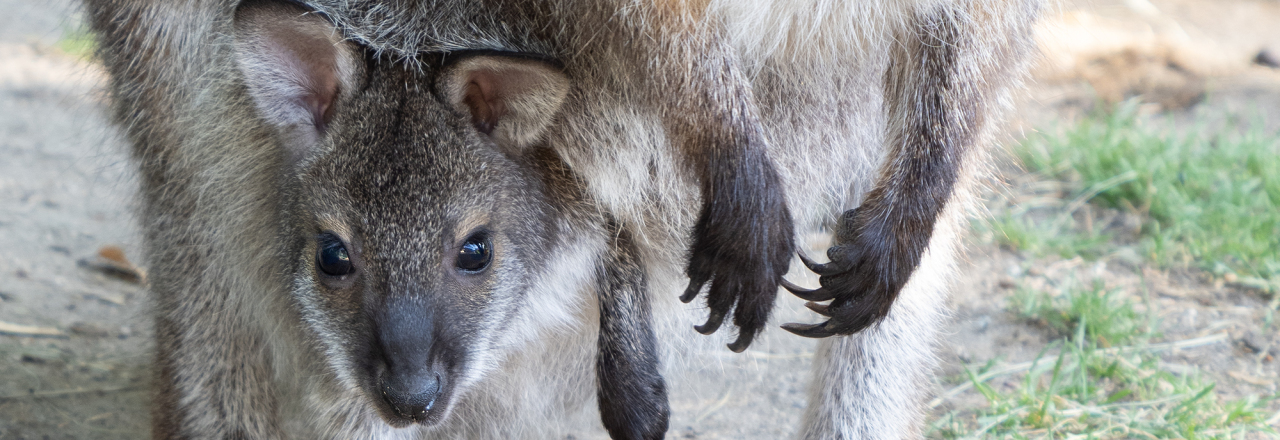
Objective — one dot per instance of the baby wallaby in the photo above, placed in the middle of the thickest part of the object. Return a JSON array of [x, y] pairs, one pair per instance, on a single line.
[[417, 236]]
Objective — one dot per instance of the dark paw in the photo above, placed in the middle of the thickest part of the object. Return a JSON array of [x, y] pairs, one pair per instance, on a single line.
[[863, 278], [632, 395], [635, 409], [743, 257], [631, 391]]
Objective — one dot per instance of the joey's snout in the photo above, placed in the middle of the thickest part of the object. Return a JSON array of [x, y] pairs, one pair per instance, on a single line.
[[411, 372]]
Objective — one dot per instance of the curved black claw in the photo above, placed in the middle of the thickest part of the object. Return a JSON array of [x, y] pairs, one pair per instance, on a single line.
[[713, 323], [743, 341], [810, 330], [821, 309], [691, 292], [818, 268], [819, 294]]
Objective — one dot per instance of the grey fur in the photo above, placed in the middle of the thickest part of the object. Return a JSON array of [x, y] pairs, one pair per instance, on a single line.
[[823, 92]]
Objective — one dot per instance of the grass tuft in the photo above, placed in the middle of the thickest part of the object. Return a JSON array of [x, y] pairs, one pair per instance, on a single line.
[[1087, 391], [1191, 196], [1107, 316]]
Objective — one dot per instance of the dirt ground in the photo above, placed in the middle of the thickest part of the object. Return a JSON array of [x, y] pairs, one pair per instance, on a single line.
[[66, 192]]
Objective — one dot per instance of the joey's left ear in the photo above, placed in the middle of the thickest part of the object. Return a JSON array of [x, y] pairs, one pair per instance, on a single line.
[[510, 99]]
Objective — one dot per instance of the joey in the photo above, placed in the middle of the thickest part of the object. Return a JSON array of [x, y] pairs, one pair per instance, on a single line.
[[427, 213]]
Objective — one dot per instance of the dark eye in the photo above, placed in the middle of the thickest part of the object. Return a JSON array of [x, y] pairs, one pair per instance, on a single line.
[[332, 257], [476, 253]]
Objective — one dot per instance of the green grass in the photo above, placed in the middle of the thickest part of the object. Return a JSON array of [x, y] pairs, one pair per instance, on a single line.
[[1018, 230], [1107, 315], [1200, 197], [1085, 392], [1125, 187], [1088, 391]]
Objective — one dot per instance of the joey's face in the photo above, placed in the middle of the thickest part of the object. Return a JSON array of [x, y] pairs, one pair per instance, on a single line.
[[417, 225], [421, 241]]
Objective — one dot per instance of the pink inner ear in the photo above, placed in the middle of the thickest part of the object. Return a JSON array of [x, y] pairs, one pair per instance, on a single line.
[[290, 62], [311, 63], [319, 102], [484, 99], [509, 99]]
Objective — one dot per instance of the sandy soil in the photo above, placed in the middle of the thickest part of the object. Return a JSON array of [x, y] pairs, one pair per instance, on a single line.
[[66, 192]]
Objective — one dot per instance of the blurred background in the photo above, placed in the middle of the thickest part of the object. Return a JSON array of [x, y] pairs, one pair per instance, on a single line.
[[1122, 279]]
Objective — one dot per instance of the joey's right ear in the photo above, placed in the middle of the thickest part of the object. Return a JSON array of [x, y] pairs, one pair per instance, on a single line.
[[296, 66]]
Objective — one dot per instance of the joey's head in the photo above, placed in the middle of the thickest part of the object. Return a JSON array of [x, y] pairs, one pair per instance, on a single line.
[[416, 225]]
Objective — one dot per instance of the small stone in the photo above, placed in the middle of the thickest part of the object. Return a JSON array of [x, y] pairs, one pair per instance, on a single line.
[[983, 323], [1267, 58], [41, 355]]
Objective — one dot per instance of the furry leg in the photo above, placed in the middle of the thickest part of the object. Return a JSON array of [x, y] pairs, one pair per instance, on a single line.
[[874, 384]]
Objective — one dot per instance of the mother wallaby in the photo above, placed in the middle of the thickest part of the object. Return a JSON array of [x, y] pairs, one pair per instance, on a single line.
[[404, 219]]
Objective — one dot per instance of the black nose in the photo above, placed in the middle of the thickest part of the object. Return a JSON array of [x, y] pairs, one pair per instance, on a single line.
[[411, 395]]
